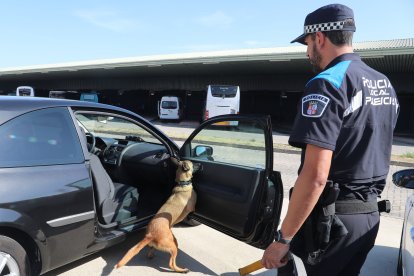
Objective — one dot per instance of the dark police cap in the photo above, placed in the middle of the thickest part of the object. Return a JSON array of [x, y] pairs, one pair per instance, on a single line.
[[326, 18]]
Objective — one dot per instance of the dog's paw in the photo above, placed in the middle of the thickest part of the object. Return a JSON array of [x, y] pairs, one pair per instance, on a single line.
[[180, 270]]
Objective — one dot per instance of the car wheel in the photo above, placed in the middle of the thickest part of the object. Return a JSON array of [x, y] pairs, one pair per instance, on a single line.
[[399, 263], [14, 258]]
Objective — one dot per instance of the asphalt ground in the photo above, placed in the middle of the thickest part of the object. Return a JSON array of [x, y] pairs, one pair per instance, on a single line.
[[208, 252]]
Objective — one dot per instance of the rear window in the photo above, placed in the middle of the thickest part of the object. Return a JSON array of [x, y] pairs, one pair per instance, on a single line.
[[169, 104], [224, 91], [25, 92], [89, 97], [38, 138], [59, 95]]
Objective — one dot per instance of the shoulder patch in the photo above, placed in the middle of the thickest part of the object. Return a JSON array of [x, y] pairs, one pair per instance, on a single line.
[[314, 105]]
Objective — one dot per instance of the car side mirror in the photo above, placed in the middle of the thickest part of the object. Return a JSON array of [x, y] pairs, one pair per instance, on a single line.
[[203, 151], [404, 178]]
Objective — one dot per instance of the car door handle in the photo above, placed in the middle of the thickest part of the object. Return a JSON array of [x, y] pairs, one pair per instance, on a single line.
[[412, 233]]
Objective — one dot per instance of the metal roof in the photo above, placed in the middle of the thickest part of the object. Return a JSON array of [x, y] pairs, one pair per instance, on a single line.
[[391, 55], [385, 44]]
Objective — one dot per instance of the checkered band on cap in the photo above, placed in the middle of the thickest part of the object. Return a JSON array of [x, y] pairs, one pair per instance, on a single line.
[[323, 27]]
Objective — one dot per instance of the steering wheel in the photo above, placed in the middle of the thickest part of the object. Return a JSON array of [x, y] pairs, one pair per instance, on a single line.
[[91, 142]]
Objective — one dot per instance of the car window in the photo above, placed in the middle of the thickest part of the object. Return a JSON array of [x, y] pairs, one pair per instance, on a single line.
[[114, 127], [43, 137], [169, 105], [242, 143]]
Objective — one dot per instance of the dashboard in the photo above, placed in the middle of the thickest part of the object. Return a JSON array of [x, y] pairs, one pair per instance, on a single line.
[[132, 159]]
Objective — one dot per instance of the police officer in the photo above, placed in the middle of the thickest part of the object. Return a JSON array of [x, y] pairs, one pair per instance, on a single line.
[[344, 127]]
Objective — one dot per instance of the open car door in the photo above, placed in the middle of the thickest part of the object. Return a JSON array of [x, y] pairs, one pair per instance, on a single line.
[[238, 193]]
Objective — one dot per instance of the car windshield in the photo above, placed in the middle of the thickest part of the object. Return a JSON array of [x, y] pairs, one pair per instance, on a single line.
[[112, 127]]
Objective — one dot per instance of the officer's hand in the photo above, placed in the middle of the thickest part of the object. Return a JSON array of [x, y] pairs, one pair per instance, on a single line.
[[275, 255]]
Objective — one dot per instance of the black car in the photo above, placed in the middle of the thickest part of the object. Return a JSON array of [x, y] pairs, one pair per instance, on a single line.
[[77, 177]]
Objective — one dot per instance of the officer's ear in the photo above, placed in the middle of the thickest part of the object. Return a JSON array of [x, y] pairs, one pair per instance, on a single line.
[[320, 39]]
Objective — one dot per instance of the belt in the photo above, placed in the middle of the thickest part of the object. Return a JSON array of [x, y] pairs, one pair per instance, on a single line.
[[355, 206]]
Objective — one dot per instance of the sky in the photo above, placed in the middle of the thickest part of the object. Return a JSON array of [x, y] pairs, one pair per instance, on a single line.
[[40, 32]]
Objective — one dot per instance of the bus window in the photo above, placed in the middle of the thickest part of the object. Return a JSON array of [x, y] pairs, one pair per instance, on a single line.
[[224, 91], [222, 99], [89, 97], [57, 94], [25, 91], [72, 95]]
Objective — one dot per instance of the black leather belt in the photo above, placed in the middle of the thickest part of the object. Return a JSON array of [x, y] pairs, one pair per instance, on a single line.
[[355, 206]]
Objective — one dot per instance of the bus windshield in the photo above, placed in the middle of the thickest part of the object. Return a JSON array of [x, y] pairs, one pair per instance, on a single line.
[[224, 91], [89, 97], [25, 91]]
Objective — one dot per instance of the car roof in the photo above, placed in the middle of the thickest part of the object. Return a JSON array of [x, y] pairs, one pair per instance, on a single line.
[[12, 106]]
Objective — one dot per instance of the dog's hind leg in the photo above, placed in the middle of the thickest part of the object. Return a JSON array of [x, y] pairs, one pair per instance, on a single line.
[[151, 253], [133, 251], [173, 265], [174, 251]]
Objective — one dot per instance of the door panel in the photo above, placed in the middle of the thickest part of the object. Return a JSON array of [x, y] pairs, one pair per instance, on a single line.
[[237, 191], [43, 170], [233, 189]]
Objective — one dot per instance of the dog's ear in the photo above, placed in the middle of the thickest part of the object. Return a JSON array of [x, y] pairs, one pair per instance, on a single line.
[[197, 167], [175, 161], [185, 166]]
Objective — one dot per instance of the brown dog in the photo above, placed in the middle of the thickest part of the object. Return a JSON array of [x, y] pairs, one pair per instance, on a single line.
[[175, 209]]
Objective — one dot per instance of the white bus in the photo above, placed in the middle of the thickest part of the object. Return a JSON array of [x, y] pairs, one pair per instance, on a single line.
[[25, 91], [222, 99]]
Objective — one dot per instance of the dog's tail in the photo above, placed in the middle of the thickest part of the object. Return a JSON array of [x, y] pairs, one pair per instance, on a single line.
[[133, 251]]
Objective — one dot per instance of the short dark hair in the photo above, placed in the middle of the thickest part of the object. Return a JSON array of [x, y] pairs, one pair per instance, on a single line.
[[340, 38]]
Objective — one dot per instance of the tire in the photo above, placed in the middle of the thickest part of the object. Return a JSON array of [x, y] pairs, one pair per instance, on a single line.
[[17, 261]]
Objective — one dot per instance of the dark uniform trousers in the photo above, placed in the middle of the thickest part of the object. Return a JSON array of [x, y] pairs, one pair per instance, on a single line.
[[346, 255]]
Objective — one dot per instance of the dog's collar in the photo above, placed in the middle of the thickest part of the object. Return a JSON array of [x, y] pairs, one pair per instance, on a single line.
[[184, 183]]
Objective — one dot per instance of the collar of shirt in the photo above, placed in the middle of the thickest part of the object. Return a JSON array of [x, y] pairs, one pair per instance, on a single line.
[[343, 57]]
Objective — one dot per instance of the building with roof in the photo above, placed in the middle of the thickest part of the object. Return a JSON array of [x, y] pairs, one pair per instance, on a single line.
[[271, 79]]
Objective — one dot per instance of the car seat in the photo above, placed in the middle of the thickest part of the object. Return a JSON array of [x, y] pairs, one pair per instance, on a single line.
[[115, 202]]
